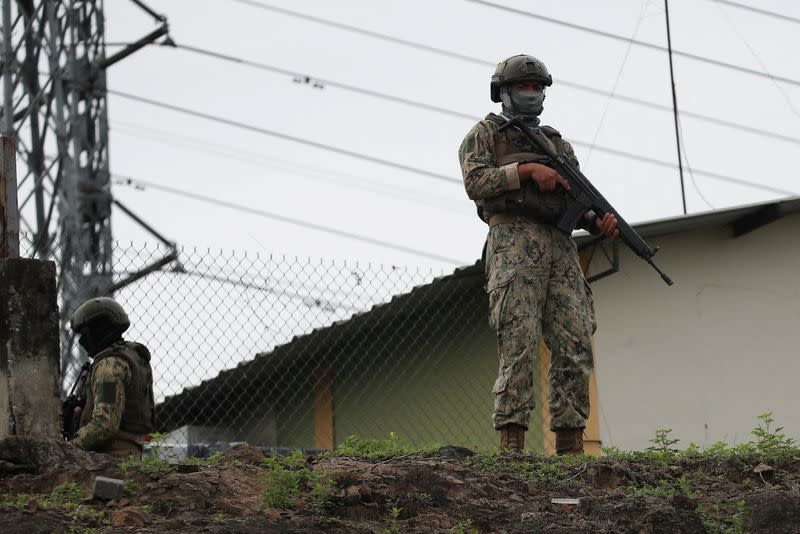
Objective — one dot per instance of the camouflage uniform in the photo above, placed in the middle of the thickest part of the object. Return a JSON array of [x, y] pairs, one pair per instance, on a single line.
[[119, 409], [536, 288]]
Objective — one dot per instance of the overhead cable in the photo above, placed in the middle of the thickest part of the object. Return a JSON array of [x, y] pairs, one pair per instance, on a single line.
[[760, 11], [301, 76], [616, 83], [287, 137], [377, 35], [414, 103], [644, 44], [780, 89], [423, 172], [127, 180]]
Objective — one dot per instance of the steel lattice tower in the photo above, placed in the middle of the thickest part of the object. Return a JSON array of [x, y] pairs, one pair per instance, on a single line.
[[55, 107]]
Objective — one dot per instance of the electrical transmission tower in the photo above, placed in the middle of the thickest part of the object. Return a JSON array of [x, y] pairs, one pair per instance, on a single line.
[[55, 108]]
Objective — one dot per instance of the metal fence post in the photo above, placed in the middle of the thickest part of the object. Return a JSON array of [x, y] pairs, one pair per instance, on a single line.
[[9, 213]]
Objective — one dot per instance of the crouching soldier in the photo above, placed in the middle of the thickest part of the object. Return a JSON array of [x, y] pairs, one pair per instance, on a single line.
[[118, 410]]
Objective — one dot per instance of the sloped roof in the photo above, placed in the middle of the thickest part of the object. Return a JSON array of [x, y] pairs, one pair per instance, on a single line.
[[178, 410]]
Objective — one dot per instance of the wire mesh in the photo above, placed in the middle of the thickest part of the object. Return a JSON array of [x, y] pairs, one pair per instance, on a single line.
[[288, 352]]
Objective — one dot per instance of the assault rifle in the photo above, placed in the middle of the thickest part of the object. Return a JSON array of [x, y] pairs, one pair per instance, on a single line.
[[583, 196], [73, 401]]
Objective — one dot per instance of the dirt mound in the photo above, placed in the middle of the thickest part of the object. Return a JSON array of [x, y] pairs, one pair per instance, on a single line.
[[46, 488]]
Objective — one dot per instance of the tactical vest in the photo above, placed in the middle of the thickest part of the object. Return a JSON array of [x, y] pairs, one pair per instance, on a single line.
[[511, 146], [139, 415]]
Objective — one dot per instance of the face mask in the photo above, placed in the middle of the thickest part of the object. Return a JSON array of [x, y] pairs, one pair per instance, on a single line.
[[88, 343], [519, 102], [93, 341]]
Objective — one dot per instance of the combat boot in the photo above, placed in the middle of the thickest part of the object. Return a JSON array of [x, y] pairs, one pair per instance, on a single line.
[[569, 441], [512, 437]]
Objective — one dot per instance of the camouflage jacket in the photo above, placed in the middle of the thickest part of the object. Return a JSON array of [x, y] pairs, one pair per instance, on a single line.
[[486, 174], [119, 397]]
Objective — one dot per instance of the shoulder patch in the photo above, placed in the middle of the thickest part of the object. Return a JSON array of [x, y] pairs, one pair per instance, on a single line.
[[549, 131], [107, 392]]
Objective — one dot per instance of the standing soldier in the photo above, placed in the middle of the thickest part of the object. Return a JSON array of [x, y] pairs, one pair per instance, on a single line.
[[534, 280], [119, 411]]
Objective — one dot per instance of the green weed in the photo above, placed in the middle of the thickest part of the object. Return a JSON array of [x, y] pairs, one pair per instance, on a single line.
[[394, 515], [19, 500], [724, 518], [464, 527], [685, 487], [770, 442], [536, 468], [422, 498], [65, 495], [153, 465], [663, 442], [286, 478]]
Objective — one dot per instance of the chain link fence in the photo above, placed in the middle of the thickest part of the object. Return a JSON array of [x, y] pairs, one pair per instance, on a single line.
[[287, 352]]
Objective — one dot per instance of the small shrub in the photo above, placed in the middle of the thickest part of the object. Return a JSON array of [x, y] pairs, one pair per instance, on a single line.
[[771, 442], [393, 526], [286, 479], [663, 443]]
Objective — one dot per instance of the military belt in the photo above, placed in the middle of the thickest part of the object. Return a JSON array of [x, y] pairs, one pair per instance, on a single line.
[[509, 218]]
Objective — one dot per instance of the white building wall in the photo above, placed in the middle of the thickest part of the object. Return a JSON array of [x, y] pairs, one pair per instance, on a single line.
[[706, 356]]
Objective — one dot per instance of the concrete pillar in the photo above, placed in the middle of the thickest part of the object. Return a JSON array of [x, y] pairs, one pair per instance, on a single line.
[[29, 349]]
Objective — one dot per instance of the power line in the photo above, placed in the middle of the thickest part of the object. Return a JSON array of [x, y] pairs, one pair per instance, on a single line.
[[126, 180], [287, 137], [454, 55], [645, 44], [231, 153], [310, 301], [470, 59], [257, 129], [354, 29], [616, 81], [304, 77], [780, 89], [438, 109], [773, 14], [716, 176], [363, 183]]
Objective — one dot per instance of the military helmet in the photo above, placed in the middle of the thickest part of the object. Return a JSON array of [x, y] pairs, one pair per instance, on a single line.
[[100, 308], [518, 68]]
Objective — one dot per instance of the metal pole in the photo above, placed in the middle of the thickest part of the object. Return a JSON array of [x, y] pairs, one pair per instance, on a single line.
[[8, 72], [9, 213], [675, 106]]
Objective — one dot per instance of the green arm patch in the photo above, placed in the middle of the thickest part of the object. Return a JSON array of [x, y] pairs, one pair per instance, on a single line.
[[107, 392]]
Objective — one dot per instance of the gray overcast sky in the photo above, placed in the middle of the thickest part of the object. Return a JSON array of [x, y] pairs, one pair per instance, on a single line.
[[409, 209]]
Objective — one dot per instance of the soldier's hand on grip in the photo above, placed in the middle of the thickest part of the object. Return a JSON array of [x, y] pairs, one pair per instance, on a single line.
[[546, 178], [608, 225]]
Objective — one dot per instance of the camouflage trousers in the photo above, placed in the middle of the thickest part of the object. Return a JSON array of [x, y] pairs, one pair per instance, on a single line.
[[536, 289]]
